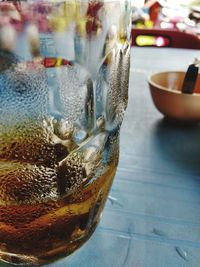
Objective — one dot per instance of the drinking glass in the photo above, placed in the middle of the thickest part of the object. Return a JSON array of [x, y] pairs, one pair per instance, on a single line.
[[64, 71]]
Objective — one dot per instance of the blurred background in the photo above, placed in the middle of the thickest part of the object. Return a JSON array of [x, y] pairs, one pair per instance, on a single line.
[[170, 15]]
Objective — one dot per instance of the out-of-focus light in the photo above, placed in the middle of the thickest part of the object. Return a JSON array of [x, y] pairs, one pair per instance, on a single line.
[[166, 25], [181, 26], [160, 41], [137, 3], [189, 22], [146, 40], [8, 37]]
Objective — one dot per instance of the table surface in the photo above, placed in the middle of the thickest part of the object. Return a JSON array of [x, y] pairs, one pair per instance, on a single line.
[[152, 216]]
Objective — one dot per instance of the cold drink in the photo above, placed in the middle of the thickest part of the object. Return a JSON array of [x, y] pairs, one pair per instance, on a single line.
[[64, 71]]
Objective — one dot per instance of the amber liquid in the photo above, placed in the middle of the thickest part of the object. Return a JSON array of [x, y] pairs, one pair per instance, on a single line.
[[39, 233], [52, 190]]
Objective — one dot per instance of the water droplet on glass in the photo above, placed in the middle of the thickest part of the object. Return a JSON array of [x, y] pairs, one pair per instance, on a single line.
[[79, 136]]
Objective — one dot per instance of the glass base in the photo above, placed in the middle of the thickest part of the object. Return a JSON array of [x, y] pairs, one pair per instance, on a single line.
[[50, 256]]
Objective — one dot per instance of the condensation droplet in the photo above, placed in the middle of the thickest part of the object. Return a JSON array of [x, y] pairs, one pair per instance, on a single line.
[[79, 136]]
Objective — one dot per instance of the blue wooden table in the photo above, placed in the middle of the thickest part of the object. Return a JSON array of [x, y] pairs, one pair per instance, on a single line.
[[152, 217]]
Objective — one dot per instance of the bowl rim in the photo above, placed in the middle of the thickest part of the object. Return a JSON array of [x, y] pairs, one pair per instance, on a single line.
[[158, 86]]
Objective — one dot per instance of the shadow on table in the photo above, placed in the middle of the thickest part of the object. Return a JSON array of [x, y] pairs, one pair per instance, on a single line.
[[179, 143]]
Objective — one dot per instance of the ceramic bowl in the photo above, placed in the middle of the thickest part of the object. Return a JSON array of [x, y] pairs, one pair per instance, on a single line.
[[166, 93]]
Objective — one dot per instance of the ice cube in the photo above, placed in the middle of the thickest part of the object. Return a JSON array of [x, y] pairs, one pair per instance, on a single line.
[[81, 165]]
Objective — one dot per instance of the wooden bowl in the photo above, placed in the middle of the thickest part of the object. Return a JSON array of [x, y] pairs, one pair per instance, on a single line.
[[166, 93]]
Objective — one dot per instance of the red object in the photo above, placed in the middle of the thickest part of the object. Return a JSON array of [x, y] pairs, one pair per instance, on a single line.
[[154, 10], [197, 86], [176, 39], [52, 62], [93, 9], [93, 23]]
